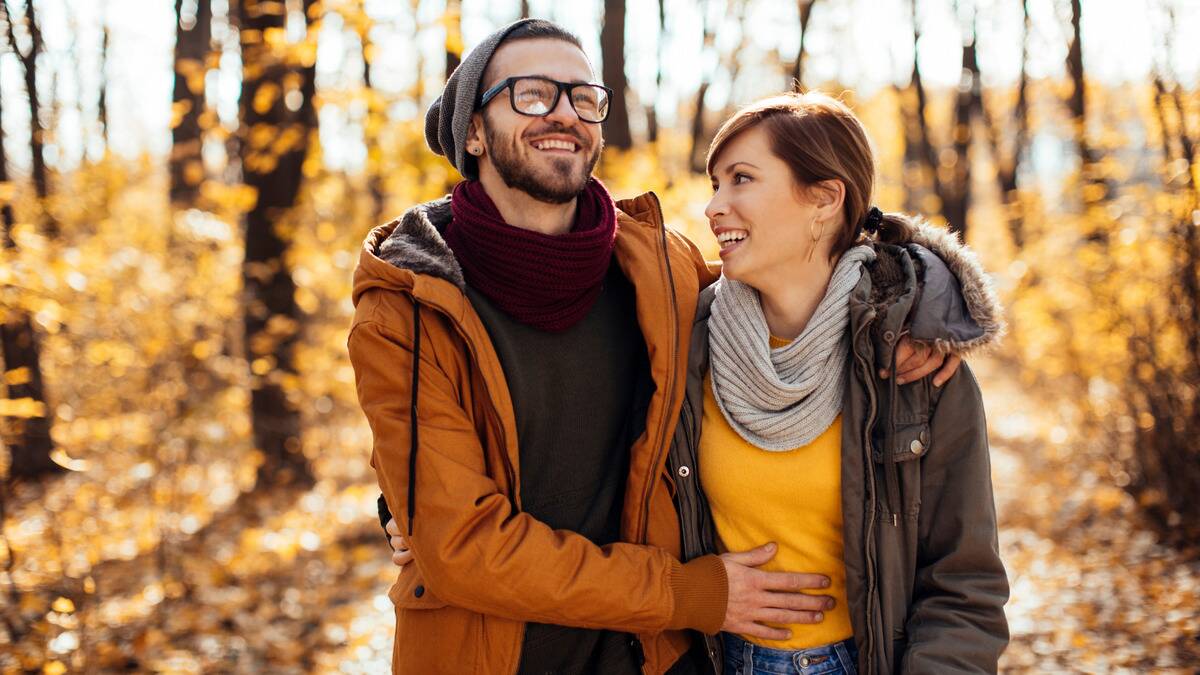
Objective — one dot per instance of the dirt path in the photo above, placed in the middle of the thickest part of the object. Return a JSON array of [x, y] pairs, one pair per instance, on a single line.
[[1091, 590]]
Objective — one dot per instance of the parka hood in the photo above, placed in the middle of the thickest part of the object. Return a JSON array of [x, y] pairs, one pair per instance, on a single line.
[[959, 310]]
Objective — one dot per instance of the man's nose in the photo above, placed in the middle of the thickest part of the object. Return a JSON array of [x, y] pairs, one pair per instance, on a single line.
[[563, 112]]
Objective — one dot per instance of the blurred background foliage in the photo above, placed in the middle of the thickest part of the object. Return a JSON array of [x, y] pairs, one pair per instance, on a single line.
[[184, 465]]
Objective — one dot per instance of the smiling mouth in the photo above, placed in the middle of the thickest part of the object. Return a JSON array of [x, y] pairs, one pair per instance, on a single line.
[[555, 145], [731, 238]]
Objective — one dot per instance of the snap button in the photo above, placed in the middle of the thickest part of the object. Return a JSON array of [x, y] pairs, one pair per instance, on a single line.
[[924, 436], [684, 472], [889, 336], [419, 591], [805, 661], [917, 447]]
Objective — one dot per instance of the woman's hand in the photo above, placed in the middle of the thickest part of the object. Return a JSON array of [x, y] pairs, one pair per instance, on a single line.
[[401, 554], [914, 361], [757, 597]]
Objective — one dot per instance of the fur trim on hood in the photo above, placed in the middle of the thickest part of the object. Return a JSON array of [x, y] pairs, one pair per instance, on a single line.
[[416, 243], [959, 310]]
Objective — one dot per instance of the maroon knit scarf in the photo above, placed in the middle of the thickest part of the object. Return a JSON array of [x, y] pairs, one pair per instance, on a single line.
[[545, 281]]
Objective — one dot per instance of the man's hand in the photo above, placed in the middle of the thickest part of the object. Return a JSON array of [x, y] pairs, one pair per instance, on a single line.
[[914, 361], [401, 555], [756, 596]]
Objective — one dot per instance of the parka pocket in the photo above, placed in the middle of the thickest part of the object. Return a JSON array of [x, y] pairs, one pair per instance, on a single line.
[[910, 441], [410, 592]]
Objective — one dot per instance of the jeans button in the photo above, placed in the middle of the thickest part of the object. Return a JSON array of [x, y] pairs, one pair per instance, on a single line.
[[804, 662]]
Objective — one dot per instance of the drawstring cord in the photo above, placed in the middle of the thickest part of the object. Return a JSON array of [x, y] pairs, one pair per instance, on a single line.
[[891, 477], [413, 425]]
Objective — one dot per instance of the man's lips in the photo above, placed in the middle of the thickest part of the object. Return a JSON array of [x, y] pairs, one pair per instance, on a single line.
[[557, 143]]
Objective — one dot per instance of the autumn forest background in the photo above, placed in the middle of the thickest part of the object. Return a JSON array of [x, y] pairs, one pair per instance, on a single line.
[[184, 186]]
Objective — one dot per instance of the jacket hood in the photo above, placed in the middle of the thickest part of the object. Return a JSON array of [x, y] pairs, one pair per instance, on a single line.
[[959, 310], [394, 255]]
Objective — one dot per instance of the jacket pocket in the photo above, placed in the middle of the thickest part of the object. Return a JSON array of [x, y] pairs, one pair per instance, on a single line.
[[410, 592]]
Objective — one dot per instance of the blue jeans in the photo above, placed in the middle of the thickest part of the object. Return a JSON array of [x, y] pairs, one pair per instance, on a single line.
[[745, 658]]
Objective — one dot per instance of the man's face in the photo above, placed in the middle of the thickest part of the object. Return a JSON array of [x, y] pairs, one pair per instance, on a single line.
[[518, 147]]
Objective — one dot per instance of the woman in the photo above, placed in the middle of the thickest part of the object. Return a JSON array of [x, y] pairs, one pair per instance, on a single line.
[[789, 433]]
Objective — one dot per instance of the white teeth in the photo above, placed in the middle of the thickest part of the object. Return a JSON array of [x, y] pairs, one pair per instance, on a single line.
[[554, 144], [727, 238]]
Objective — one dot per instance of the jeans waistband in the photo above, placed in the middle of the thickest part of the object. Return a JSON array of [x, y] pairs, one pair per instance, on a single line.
[[837, 657]]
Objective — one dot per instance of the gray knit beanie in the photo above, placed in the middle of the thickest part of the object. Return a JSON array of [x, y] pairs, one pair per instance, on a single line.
[[449, 117]]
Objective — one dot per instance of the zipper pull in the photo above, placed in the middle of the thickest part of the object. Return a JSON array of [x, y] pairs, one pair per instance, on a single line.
[[639, 652]]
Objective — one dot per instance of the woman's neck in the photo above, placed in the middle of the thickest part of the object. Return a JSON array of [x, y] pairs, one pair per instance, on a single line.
[[789, 299]]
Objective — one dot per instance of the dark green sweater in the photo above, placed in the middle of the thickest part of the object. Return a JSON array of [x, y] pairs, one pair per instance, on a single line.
[[579, 397]]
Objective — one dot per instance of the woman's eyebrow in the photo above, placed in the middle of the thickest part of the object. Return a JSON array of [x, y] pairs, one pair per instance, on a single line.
[[730, 167]]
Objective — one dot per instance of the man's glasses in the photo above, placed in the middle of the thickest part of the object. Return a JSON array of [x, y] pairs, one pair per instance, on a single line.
[[537, 96]]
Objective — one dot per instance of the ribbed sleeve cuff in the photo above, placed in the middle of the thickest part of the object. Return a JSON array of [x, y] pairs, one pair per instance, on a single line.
[[701, 593]]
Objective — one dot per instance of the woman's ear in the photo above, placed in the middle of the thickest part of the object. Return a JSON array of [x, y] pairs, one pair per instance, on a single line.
[[829, 197]]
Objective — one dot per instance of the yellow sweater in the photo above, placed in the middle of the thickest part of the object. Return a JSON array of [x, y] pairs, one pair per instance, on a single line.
[[792, 498]]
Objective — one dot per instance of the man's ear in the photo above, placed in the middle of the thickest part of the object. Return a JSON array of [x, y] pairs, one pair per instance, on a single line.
[[476, 146]]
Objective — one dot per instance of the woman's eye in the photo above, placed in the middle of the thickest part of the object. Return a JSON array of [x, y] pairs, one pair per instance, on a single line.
[[740, 178]]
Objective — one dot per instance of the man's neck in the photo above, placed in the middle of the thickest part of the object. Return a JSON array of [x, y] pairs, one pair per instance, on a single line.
[[520, 210]]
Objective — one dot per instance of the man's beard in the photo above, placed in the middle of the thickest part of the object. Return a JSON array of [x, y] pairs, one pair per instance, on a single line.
[[559, 185]]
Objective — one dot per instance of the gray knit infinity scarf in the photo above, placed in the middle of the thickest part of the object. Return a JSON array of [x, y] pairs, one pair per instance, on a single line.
[[782, 399]]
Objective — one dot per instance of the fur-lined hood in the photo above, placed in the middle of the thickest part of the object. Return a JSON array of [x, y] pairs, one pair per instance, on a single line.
[[958, 309]]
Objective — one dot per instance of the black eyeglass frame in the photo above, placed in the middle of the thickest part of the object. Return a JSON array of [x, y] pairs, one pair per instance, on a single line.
[[508, 82]]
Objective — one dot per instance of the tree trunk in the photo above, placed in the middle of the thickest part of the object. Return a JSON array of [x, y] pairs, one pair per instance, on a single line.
[[696, 157], [612, 51], [102, 103], [651, 109], [373, 123], [27, 437], [1096, 190], [951, 184], [956, 198], [278, 123], [524, 9], [28, 60], [1008, 162], [187, 137], [797, 81], [454, 39]]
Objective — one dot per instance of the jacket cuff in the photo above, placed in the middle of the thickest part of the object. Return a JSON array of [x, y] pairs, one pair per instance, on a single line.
[[701, 594]]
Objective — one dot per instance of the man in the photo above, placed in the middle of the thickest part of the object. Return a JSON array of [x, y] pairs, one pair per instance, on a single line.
[[519, 351]]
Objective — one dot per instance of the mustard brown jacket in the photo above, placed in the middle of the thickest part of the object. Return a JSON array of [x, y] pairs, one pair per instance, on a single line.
[[446, 456]]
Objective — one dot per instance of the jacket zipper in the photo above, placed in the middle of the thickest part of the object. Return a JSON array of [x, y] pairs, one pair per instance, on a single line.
[[644, 515], [867, 648]]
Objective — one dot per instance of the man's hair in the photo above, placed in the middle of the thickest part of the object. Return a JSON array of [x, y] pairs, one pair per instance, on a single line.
[[535, 29], [540, 28]]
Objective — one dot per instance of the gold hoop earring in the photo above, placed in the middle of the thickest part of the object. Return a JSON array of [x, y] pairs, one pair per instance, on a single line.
[[816, 236]]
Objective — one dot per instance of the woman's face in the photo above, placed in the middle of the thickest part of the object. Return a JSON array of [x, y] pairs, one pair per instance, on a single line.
[[761, 217]]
